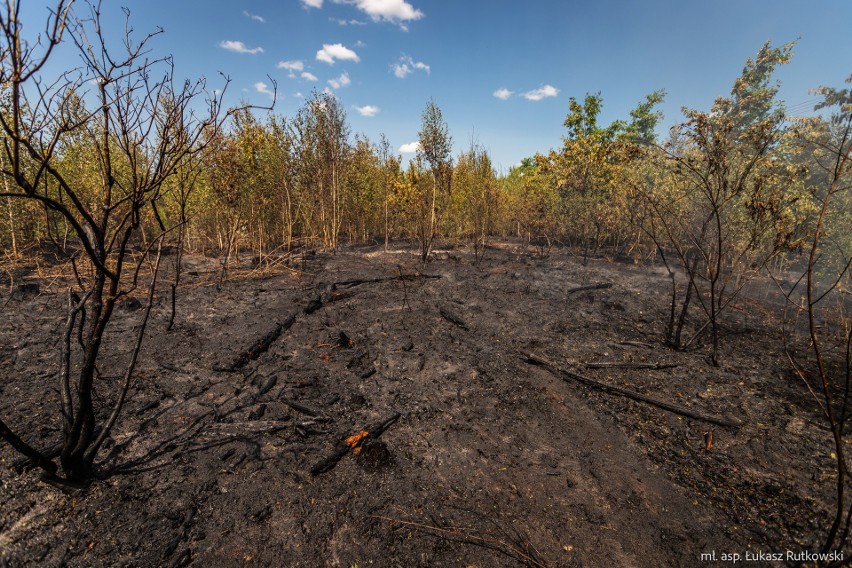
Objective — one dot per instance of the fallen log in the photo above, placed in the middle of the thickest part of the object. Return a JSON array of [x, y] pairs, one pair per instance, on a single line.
[[259, 347], [257, 413], [181, 535], [353, 443], [637, 344], [410, 277], [629, 365], [249, 427], [150, 405], [267, 385], [603, 286], [534, 359], [323, 298], [300, 407], [183, 559], [453, 318], [314, 304]]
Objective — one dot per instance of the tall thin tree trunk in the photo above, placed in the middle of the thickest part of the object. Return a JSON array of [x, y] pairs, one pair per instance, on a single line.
[[11, 223], [178, 260], [289, 221], [690, 286], [387, 239], [11, 213]]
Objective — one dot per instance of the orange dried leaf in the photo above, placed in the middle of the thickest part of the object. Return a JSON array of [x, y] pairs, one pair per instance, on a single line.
[[356, 439]]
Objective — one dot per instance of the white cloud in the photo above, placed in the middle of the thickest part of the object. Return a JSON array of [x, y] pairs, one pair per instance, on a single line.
[[298, 95], [264, 89], [341, 81], [395, 11], [401, 70], [342, 22], [330, 52], [503, 94], [312, 3], [254, 17], [406, 65], [295, 65], [367, 110], [308, 76], [409, 148], [239, 47], [541, 93]]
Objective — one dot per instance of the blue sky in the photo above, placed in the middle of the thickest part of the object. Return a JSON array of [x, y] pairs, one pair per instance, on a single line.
[[385, 59]]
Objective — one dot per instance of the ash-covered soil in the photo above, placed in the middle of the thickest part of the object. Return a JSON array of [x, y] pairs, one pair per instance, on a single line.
[[493, 461]]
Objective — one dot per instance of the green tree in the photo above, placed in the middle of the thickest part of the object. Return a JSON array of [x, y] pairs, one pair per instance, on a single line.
[[282, 168], [321, 145], [735, 198], [225, 171], [532, 201], [644, 120], [436, 146], [475, 197], [591, 165], [177, 194], [365, 181], [390, 170]]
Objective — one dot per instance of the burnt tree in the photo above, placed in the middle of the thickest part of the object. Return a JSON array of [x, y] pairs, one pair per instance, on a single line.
[[135, 123]]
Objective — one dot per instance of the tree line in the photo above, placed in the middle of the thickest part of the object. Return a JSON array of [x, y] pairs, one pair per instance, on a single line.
[[742, 177], [267, 184]]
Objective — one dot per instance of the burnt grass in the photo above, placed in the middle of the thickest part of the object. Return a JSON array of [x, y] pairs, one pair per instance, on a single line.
[[492, 461]]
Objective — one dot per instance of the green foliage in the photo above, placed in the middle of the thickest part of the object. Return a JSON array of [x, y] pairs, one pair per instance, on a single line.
[[436, 144], [644, 120], [475, 198], [829, 258], [582, 121], [818, 150], [435, 149], [321, 148], [752, 99], [365, 179], [731, 201], [608, 186], [531, 201], [592, 165]]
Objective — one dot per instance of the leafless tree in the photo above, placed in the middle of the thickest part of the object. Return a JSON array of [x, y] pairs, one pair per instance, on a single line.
[[140, 124]]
